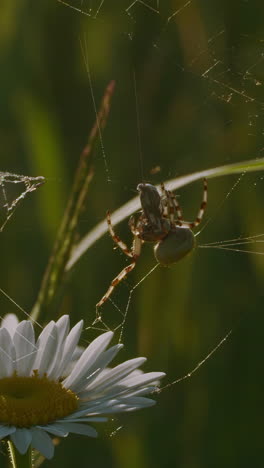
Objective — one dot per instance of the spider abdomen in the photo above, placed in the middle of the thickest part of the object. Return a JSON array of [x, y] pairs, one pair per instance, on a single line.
[[178, 243]]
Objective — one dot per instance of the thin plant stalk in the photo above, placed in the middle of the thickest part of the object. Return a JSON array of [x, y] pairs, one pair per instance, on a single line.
[[54, 274], [17, 460]]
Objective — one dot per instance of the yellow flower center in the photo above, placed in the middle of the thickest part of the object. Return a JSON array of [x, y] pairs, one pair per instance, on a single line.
[[30, 401]]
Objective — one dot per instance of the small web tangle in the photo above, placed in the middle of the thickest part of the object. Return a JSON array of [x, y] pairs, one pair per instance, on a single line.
[[84, 7], [204, 60], [26, 317], [94, 8], [13, 189], [152, 6], [12, 193], [233, 244]]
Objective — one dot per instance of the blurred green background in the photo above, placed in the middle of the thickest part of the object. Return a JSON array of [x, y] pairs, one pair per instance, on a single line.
[[199, 75]]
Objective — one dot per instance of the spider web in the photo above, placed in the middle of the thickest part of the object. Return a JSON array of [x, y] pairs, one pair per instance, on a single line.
[[9, 185], [217, 73], [229, 78], [217, 77]]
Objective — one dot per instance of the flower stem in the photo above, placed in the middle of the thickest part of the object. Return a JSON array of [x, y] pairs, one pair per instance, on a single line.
[[17, 460]]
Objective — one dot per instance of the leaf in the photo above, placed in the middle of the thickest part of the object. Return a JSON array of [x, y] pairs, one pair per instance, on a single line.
[[133, 205]]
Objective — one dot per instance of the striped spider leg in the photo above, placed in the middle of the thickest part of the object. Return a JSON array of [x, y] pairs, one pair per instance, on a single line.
[[133, 253], [172, 208]]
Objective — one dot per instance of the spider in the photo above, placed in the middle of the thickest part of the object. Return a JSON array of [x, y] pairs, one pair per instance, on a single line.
[[160, 221]]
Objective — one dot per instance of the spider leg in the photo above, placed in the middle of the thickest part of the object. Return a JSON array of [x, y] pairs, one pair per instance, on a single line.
[[174, 207], [164, 198], [201, 211], [115, 282], [116, 238], [171, 206], [132, 225], [136, 249]]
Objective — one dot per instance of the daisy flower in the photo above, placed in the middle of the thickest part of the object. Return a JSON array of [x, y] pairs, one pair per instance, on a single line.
[[45, 390]]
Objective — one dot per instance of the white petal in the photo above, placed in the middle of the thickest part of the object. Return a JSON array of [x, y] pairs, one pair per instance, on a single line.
[[84, 419], [55, 429], [138, 392], [135, 382], [98, 368], [10, 322], [78, 351], [87, 359], [7, 354], [42, 442], [80, 429], [118, 392], [6, 430], [114, 375], [102, 407], [123, 408], [142, 379], [121, 391], [47, 345], [121, 405], [139, 402], [22, 439], [70, 346], [114, 405], [24, 342], [97, 407], [62, 326]]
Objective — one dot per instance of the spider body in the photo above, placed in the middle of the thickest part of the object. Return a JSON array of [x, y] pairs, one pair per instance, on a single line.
[[173, 241], [160, 222], [151, 225]]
